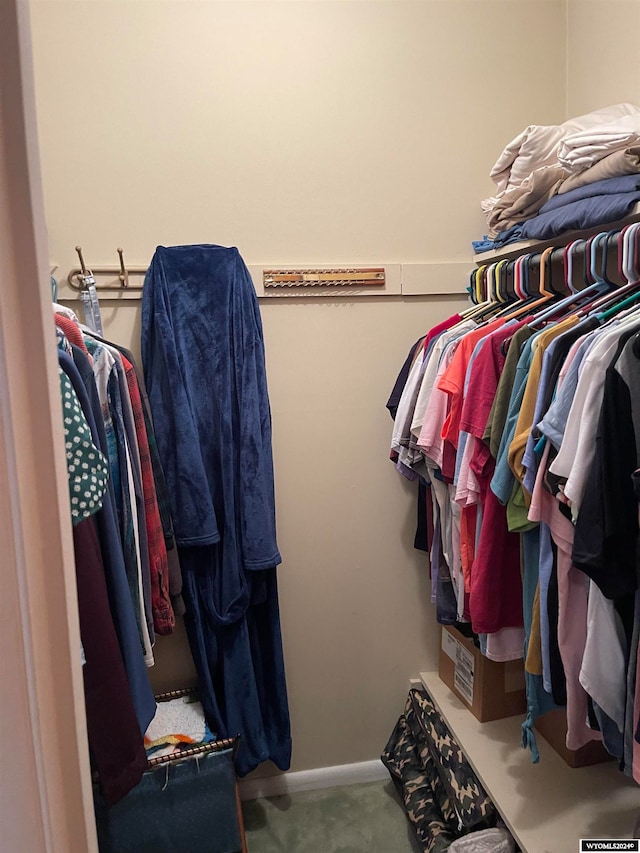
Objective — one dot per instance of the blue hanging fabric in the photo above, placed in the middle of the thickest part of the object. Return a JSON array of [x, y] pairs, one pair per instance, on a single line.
[[203, 357], [538, 700]]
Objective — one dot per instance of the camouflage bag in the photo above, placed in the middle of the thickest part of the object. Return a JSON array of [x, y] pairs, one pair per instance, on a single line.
[[421, 789], [442, 795]]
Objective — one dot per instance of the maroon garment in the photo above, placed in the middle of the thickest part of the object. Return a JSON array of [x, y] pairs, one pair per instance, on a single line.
[[164, 621], [115, 740], [448, 462], [495, 600]]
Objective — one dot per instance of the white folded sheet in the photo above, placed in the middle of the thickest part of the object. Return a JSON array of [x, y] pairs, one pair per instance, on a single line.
[[581, 150]]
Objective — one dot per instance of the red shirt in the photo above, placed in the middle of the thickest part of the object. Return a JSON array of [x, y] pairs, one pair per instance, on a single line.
[[164, 620]]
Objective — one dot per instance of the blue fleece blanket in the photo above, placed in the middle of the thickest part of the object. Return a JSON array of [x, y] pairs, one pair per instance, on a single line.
[[203, 357], [598, 203]]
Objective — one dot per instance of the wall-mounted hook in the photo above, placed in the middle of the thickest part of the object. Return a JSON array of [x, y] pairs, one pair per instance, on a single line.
[[81, 259], [124, 274]]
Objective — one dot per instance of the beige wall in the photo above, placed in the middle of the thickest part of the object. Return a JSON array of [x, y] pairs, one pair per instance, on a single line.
[[303, 131], [603, 56]]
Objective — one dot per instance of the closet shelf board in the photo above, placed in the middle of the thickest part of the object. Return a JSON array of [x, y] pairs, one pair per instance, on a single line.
[[513, 250], [548, 806]]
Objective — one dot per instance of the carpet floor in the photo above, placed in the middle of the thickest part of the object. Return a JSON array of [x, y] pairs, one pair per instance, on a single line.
[[347, 819]]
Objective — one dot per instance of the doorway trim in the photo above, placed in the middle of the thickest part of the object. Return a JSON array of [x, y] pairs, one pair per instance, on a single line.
[[45, 790]]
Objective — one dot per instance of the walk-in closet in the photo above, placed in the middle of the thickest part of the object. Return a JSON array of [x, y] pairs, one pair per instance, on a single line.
[[319, 421]]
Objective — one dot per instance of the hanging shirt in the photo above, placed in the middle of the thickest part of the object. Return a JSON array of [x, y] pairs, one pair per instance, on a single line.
[[632, 718], [137, 389], [402, 423], [86, 466], [163, 616], [527, 407], [607, 524], [500, 406], [554, 422], [401, 380], [71, 331], [431, 441], [483, 386], [503, 477], [121, 605], [109, 394], [483, 378], [433, 352], [452, 380], [576, 451], [153, 554], [603, 670], [546, 551], [572, 608], [553, 360], [114, 734]]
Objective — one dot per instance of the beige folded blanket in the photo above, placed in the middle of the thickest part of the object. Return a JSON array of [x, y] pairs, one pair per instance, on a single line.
[[521, 203], [537, 145], [625, 162]]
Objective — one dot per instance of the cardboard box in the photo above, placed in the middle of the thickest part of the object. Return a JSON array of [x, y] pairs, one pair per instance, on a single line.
[[553, 728], [490, 690]]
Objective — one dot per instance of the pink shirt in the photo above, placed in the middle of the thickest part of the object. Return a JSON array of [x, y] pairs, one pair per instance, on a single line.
[[572, 608], [452, 380]]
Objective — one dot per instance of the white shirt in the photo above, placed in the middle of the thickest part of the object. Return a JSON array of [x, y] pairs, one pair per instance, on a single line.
[[578, 445], [603, 674], [431, 372]]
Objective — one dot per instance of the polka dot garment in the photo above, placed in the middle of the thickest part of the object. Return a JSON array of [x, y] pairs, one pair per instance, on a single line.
[[86, 466]]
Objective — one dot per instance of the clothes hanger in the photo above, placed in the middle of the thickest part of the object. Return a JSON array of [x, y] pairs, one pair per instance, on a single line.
[[509, 274], [566, 307], [614, 296], [631, 267], [481, 283], [589, 260], [501, 282], [615, 238], [509, 287], [556, 278], [520, 283], [487, 308], [478, 293], [625, 253], [569, 252], [603, 316], [631, 252], [604, 239], [518, 278], [471, 290], [543, 295], [520, 294], [619, 293]]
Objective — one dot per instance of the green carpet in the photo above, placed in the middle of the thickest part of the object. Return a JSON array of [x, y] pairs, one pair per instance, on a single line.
[[349, 819]]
